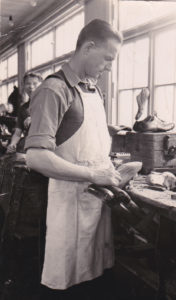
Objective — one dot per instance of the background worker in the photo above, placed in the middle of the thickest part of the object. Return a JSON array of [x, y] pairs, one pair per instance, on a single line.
[[31, 82], [27, 201]]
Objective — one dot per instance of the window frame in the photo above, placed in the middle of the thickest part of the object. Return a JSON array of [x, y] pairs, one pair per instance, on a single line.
[[151, 30], [9, 79], [50, 27]]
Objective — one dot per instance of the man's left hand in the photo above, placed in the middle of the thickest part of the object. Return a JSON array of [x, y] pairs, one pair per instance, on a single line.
[[27, 122]]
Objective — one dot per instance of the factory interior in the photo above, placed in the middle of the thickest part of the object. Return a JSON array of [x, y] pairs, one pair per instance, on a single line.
[[138, 93]]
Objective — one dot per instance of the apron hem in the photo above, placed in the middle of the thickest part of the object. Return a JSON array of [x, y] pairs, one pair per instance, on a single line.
[[76, 283]]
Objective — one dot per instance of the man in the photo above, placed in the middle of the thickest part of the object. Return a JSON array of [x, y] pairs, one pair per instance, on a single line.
[[69, 142], [31, 82], [23, 223]]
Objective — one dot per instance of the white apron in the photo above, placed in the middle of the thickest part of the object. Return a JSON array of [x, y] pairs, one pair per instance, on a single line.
[[79, 238]]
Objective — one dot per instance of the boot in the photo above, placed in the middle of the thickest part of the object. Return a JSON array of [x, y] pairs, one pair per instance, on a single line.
[[153, 124], [141, 101]]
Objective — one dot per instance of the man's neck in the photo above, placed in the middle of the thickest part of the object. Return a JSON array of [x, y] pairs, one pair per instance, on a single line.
[[74, 65], [77, 67]]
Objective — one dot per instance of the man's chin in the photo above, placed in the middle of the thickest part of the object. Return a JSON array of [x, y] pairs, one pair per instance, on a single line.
[[98, 76]]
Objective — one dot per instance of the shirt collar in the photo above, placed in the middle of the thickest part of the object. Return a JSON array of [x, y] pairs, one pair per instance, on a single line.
[[73, 79]]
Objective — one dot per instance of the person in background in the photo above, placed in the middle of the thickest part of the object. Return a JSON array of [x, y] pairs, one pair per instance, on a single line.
[[68, 142], [27, 193], [15, 99], [31, 81]]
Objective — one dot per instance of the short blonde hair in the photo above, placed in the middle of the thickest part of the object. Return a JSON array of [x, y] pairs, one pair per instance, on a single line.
[[32, 74]]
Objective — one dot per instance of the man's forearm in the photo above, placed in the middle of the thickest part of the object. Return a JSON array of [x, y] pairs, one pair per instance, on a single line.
[[50, 165], [16, 136]]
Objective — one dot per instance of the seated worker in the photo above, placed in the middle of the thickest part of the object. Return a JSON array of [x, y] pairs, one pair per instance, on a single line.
[[27, 201], [31, 81], [7, 126]]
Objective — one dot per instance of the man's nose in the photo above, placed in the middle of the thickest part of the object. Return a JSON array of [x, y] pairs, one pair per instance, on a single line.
[[108, 66]]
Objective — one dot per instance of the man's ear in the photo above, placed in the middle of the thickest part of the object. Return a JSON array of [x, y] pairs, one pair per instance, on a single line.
[[87, 47]]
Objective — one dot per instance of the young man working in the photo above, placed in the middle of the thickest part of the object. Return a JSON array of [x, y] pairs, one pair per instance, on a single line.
[[69, 142]]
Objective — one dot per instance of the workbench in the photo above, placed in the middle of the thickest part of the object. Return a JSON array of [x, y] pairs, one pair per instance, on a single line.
[[151, 253], [160, 201]]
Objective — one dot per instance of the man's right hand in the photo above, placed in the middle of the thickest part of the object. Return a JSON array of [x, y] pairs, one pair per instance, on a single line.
[[11, 148], [108, 176]]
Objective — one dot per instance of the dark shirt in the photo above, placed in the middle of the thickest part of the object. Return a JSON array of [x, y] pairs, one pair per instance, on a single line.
[[15, 99], [22, 115]]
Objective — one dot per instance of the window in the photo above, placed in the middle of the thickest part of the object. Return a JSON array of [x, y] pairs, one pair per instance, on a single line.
[[12, 65], [4, 95], [135, 13], [6, 89], [133, 75], [9, 66], [10, 86], [42, 49], [147, 59], [165, 74], [9, 70], [67, 34], [3, 66], [48, 49]]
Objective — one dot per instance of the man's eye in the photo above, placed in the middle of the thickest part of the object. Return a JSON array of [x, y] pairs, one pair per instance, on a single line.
[[108, 59]]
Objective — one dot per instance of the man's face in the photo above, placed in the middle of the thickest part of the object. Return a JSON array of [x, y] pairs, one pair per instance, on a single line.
[[100, 58], [30, 85]]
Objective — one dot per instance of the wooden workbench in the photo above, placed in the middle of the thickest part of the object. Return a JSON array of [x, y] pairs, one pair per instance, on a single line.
[[158, 205], [161, 201]]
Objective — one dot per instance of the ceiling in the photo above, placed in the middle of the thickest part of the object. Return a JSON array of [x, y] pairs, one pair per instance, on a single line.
[[24, 16]]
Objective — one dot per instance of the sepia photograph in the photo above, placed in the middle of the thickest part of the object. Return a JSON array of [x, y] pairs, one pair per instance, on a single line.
[[87, 150]]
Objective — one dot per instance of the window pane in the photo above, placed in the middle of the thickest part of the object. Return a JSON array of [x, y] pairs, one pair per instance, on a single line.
[[134, 13], [3, 72], [165, 57], [60, 40], [28, 56], [174, 106], [12, 65], [67, 34], [125, 115], [11, 85], [114, 92], [127, 107], [133, 64], [126, 66], [42, 49], [164, 102], [10, 88], [141, 62], [4, 94]]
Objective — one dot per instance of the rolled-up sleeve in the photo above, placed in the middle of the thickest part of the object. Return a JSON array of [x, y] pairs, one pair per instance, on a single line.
[[47, 109]]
